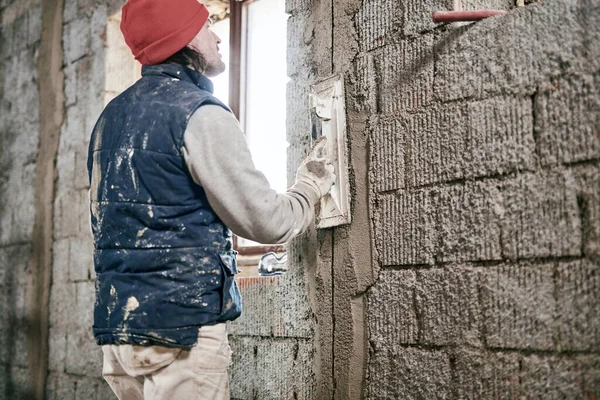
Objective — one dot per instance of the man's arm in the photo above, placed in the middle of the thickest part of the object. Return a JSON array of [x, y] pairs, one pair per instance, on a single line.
[[217, 155]]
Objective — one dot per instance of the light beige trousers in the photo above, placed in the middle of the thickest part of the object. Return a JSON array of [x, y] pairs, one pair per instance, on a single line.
[[161, 373]]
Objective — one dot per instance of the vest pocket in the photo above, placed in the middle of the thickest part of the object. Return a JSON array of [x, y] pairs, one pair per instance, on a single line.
[[231, 305]]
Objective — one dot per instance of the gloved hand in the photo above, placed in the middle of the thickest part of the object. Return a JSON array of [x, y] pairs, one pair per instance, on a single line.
[[317, 170]]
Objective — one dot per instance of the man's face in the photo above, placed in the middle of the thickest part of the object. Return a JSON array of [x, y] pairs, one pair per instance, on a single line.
[[207, 43]]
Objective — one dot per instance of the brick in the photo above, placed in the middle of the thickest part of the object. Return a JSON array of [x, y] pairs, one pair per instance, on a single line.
[[578, 296], [500, 137], [435, 144], [487, 375], [448, 307], [76, 39], [83, 356], [518, 306], [271, 369], [391, 309], [469, 224], [406, 72], [404, 224], [541, 216], [490, 58], [387, 156], [568, 120], [409, 373]]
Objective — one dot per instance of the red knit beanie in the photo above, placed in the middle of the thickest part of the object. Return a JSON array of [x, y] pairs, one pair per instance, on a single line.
[[154, 30]]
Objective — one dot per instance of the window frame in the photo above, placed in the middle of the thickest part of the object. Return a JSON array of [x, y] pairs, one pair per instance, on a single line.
[[238, 32]]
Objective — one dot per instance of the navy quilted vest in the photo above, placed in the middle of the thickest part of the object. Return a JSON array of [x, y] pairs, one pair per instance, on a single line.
[[164, 260]]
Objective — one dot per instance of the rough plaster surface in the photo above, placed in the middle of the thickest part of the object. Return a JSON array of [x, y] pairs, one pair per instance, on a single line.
[[485, 184]]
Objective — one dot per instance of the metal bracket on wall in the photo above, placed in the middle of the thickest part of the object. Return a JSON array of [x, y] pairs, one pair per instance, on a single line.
[[328, 118]]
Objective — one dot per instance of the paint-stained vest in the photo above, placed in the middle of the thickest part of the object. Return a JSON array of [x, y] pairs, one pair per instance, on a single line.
[[163, 258]]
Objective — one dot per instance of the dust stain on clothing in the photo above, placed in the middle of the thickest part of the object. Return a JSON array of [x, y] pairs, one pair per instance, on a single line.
[[132, 305]]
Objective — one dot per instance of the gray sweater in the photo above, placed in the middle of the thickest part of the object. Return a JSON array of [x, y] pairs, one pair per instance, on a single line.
[[217, 155]]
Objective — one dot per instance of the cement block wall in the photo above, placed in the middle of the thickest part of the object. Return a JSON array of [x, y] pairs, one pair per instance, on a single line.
[[471, 268], [484, 179], [19, 136]]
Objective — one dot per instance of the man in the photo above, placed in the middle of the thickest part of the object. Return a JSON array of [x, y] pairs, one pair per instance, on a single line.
[[170, 175]]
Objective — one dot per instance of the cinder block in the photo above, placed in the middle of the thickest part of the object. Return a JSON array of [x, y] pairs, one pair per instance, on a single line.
[[448, 307], [404, 228], [391, 309], [83, 357], [271, 369], [387, 156], [69, 11], [588, 179], [541, 216], [551, 378], [21, 386], [104, 391], [500, 137], [518, 306], [81, 260], [301, 34], [375, 21], [262, 308], [34, 25], [364, 96], [578, 296], [70, 72], [57, 342], [406, 75], [514, 53], [568, 120], [60, 387], [469, 224], [76, 39], [483, 375], [416, 15], [487, 4], [20, 33], [86, 388], [409, 373], [81, 178], [294, 6], [435, 144], [66, 223]]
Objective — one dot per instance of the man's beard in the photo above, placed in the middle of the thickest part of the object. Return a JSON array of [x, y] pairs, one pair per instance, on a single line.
[[214, 68]]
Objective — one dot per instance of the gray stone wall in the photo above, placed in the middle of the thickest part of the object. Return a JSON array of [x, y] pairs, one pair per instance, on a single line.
[[75, 362], [19, 136], [485, 185]]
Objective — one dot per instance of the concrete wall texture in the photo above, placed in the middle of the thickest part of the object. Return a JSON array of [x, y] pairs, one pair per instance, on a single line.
[[471, 268]]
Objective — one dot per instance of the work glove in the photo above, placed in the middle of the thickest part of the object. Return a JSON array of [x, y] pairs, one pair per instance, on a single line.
[[317, 170]]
